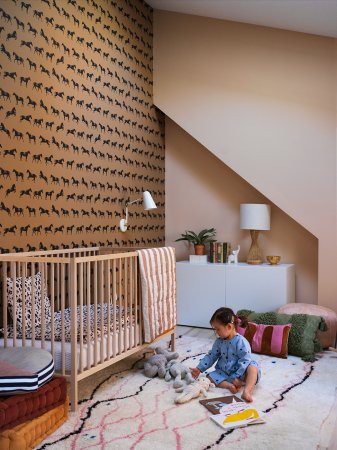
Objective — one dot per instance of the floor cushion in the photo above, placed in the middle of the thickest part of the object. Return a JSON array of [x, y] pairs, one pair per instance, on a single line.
[[303, 339], [28, 435], [17, 409], [327, 338], [32, 367]]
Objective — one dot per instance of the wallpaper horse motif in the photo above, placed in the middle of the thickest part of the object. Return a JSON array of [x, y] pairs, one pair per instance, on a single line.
[[79, 133]]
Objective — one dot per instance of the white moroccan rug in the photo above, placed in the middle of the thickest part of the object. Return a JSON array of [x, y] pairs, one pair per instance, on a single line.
[[122, 409]]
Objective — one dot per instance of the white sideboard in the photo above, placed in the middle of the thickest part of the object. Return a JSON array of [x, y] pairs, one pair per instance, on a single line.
[[202, 288]]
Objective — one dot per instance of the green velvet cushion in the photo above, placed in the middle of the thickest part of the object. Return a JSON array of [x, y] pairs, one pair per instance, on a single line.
[[303, 341]]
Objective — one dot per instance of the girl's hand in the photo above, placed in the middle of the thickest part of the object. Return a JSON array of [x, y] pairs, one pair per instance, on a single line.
[[195, 372]]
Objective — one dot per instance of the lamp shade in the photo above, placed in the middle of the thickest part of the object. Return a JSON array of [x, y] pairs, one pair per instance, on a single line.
[[148, 201], [254, 216]]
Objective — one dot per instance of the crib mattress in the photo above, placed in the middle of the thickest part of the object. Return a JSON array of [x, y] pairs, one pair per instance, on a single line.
[[62, 352], [17, 409], [96, 317], [28, 435]]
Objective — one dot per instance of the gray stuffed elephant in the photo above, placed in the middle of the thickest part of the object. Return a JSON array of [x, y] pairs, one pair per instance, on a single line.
[[179, 372], [156, 364]]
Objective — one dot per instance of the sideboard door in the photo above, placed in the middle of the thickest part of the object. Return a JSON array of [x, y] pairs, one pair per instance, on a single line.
[[200, 291], [259, 288]]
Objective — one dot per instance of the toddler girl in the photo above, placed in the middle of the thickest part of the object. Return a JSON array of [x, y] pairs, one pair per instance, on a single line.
[[232, 354]]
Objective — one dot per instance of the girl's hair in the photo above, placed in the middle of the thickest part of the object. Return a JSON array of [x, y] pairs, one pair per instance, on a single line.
[[226, 316]]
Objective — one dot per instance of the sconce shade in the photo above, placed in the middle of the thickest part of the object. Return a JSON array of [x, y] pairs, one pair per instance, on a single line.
[[148, 201], [254, 216]]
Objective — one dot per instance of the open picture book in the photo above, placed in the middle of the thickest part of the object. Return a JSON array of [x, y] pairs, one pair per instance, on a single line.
[[232, 412]]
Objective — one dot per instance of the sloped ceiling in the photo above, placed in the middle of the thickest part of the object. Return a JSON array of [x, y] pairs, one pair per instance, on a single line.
[[306, 16]]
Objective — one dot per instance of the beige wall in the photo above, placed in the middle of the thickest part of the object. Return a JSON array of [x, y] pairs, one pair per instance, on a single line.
[[202, 192], [264, 102]]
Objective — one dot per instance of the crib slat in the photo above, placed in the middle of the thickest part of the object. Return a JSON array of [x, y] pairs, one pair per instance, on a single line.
[[63, 287], [101, 301], [43, 312], [125, 306], [114, 309], [120, 327], [72, 278], [135, 284], [52, 305], [80, 273], [5, 301], [95, 314], [13, 276], [108, 301], [130, 291], [88, 293], [32, 274], [21, 299]]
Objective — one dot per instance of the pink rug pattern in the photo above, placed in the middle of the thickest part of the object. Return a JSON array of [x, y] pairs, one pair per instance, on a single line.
[[122, 409]]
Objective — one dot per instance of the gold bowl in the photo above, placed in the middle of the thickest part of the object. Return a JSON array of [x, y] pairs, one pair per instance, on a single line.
[[273, 260]]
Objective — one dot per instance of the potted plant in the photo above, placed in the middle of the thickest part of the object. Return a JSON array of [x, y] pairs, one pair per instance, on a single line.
[[198, 240]]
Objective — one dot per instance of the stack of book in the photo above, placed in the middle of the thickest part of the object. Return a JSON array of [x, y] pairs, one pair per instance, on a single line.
[[232, 412], [219, 251]]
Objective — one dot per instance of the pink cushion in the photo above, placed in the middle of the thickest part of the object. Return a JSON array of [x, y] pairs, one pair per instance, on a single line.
[[326, 338], [269, 340]]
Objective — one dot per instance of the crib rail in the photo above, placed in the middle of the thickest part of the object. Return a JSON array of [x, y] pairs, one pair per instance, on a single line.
[[85, 251]]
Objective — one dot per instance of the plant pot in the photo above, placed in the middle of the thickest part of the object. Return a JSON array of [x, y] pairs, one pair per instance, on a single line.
[[199, 249]]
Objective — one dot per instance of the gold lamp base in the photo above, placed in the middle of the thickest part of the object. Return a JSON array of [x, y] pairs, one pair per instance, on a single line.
[[254, 254]]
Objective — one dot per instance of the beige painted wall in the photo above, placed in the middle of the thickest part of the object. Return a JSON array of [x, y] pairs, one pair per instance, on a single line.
[[264, 102], [202, 192]]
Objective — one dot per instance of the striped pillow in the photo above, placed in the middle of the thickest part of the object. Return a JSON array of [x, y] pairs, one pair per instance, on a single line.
[[269, 340]]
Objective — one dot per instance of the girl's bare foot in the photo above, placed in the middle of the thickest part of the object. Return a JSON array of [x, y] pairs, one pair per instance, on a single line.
[[237, 383], [233, 389], [227, 385], [247, 394]]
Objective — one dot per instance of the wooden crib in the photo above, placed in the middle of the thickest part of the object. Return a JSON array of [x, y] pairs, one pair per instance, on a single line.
[[87, 309]]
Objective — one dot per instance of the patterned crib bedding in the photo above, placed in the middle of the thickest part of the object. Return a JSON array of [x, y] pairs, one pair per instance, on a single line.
[[55, 327]]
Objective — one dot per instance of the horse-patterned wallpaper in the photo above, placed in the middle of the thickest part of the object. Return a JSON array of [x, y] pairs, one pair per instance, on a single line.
[[79, 135]]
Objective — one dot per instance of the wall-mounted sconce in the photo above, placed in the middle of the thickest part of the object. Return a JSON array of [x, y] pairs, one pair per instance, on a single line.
[[148, 204]]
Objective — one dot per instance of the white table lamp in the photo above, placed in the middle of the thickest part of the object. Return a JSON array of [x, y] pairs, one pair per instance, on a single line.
[[254, 217]]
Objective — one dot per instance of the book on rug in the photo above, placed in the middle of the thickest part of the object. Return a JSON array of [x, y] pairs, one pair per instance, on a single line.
[[232, 412], [214, 405]]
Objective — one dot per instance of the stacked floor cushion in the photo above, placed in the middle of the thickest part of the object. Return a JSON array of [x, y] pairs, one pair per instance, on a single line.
[[32, 403], [17, 409], [28, 435]]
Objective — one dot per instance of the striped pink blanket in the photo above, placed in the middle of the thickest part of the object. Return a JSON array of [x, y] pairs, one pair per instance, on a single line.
[[158, 278]]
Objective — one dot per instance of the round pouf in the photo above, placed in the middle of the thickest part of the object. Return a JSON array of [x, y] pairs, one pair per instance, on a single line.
[[326, 338], [24, 369]]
